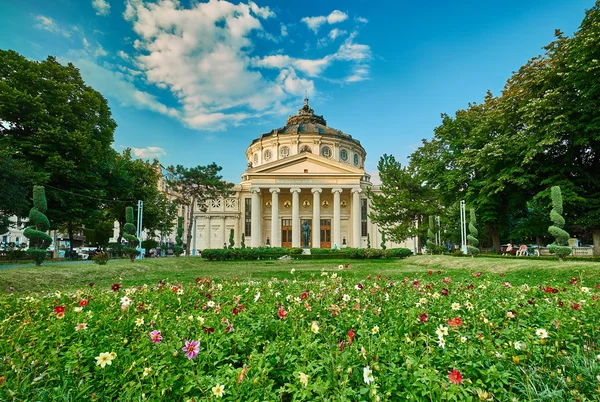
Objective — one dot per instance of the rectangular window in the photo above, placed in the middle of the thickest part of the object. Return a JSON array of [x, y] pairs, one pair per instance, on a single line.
[[363, 216], [248, 216]]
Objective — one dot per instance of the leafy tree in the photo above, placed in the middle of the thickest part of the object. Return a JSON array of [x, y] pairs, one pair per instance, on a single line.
[[473, 233], [39, 241], [59, 126], [560, 246], [178, 249], [383, 246], [231, 239], [402, 202], [243, 245], [15, 181], [129, 235], [194, 187]]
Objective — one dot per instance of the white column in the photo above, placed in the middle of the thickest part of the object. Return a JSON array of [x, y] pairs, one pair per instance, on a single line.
[[255, 224], [295, 217], [337, 221], [275, 228], [356, 233], [316, 222], [209, 226]]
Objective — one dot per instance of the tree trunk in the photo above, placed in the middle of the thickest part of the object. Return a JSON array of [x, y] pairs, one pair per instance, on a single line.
[[70, 234], [538, 241], [495, 237], [188, 240], [596, 239]]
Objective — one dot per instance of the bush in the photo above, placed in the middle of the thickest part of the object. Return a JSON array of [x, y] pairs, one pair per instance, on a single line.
[[149, 244], [115, 249], [39, 241], [248, 254], [397, 253], [101, 258], [457, 253]]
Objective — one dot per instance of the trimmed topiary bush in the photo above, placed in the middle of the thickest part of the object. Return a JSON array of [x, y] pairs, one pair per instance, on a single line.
[[231, 239], [178, 249], [430, 244], [243, 245], [472, 237], [39, 241], [560, 246], [383, 246], [368, 240], [129, 235]]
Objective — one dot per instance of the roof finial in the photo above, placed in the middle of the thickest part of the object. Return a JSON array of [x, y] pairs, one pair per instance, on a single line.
[[306, 97]]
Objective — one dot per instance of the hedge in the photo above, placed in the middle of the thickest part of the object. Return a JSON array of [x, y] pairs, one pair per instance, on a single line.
[[265, 253]]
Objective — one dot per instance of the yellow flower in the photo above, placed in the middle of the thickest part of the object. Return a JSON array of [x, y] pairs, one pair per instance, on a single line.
[[375, 330], [147, 371], [314, 327], [103, 359], [218, 390], [303, 379], [139, 322], [516, 359]]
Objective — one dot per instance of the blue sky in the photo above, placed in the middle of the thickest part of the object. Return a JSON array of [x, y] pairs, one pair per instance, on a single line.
[[194, 82]]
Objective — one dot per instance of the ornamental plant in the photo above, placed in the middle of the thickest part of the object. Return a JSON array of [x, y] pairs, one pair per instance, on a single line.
[[472, 237], [430, 235], [560, 246], [39, 240], [231, 239], [368, 241], [178, 249], [383, 246], [243, 244], [129, 235]]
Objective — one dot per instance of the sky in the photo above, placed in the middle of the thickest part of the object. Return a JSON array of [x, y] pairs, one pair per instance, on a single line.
[[194, 82]]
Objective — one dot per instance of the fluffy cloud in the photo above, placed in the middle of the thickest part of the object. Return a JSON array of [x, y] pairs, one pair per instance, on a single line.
[[336, 33], [102, 7], [49, 25], [148, 152], [314, 23]]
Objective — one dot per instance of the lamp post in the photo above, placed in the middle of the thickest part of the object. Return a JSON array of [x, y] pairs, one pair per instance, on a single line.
[[194, 239], [463, 227]]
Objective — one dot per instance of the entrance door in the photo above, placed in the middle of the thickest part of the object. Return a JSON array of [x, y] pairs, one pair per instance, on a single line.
[[325, 233], [286, 233]]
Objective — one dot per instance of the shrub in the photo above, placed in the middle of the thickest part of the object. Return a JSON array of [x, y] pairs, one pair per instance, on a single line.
[[243, 245], [178, 249], [383, 246], [356, 253], [559, 247], [457, 253], [39, 241], [115, 249], [472, 237], [101, 258], [397, 253], [129, 230], [149, 244], [231, 239], [430, 244]]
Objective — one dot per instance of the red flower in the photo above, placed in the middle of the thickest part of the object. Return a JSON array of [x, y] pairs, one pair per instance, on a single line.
[[83, 303], [350, 336], [208, 296], [575, 306], [208, 330], [561, 303], [361, 286], [573, 281], [115, 287], [242, 374], [91, 284], [548, 289], [445, 292], [304, 295], [424, 317], [594, 297], [447, 280], [242, 307], [282, 313], [455, 322], [470, 286], [174, 288], [455, 377], [59, 309], [430, 272], [477, 274], [439, 272], [341, 346], [235, 311], [416, 284]]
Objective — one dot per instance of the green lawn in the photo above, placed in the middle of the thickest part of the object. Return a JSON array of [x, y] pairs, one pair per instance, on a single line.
[[76, 275]]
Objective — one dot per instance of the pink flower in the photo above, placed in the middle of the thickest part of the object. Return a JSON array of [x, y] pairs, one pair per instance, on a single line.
[[282, 313], [155, 336], [455, 376], [192, 348]]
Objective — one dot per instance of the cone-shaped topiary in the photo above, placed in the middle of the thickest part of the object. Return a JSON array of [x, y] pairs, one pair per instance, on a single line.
[[472, 237], [178, 249], [243, 244], [430, 236], [231, 239], [129, 235], [39, 241], [560, 246]]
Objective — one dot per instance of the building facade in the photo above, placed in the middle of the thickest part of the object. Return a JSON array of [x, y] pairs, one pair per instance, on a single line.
[[304, 187]]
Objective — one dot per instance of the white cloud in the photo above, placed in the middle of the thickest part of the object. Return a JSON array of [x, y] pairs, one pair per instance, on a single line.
[[148, 152], [314, 23], [102, 7], [375, 179], [48, 24], [100, 51], [284, 31], [123, 55], [336, 33], [362, 20]]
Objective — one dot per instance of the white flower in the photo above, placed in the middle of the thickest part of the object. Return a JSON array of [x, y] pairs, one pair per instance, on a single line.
[[191, 318], [346, 298], [180, 291], [277, 294], [292, 271], [375, 330], [469, 306], [200, 320], [463, 339], [455, 306], [78, 309], [585, 290], [314, 327], [340, 266], [105, 358], [442, 331], [422, 300], [303, 379], [442, 343], [147, 371], [218, 390], [510, 314], [368, 375], [541, 333], [125, 301], [436, 295], [139, 322], [519, 345], [256, 297], [483, 287], [210, 304]]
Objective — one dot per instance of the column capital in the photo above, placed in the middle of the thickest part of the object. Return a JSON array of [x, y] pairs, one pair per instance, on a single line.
[[255, 189], [316, 190], [274, 190], [295, 190], [356, 190], [336, 190]]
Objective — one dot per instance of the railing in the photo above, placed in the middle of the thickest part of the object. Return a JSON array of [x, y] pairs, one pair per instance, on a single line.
[[577, 251]]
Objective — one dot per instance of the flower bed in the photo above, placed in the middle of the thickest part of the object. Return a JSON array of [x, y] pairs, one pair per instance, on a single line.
[[327, 337]]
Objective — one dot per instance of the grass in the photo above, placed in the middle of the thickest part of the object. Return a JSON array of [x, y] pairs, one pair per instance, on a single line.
[[76, 275]]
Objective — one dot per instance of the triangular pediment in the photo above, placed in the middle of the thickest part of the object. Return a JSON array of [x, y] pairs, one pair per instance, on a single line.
[[306, 163]]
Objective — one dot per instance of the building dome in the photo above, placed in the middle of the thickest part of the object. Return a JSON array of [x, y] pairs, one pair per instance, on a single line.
[[305, 132]]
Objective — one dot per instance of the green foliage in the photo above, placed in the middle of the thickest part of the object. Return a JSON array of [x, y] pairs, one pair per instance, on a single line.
[[178, 249], [383, 246], [473, 233], [243, 244], [430, 235], [231, 239], [15, 181], [39, 240], [560, 246], [457, 253], [397, 253], [248, 254], [149, 244], [101, 258], [368, 240], [129, 235]]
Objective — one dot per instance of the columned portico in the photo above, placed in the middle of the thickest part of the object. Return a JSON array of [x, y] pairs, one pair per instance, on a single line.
[[337, 221], [275, 230], [295, 216], [256, 218], [316, 222], [356, 235]]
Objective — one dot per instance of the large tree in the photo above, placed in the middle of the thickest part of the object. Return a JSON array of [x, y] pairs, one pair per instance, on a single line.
[[63, 128], [15, 188], [193, 187]]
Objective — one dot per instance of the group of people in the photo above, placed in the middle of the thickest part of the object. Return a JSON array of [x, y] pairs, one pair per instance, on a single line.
[[523, 250]]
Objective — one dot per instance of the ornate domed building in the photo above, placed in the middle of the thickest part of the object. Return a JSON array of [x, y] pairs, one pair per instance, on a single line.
[[304, 187]]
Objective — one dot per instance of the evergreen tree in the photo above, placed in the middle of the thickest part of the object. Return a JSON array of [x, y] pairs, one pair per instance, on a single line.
[[472, 237], [243, 245], [560, 246], [383, 246], [430, 235], [39, 241], [178, 249], [129, 235], [231, 239]]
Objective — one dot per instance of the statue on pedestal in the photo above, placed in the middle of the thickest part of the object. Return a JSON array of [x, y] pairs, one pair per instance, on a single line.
[[305, 234]]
